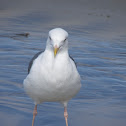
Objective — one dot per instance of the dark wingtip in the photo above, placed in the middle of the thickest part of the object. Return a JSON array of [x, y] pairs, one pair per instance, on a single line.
[[73, 60], [32, 60]]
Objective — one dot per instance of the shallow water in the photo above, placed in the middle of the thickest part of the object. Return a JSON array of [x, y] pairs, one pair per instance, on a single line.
[[97, 43]]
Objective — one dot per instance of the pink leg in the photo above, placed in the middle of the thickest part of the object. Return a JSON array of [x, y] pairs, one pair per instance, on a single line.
[[34, 114], [66, 115]]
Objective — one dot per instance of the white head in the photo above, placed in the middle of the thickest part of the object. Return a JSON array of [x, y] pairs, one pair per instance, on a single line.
[[57, 40]]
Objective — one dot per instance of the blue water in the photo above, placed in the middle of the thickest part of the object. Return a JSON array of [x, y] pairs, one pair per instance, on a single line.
[[100, 53]]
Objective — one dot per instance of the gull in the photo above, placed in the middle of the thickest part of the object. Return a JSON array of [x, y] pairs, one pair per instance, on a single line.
[[52, 74]]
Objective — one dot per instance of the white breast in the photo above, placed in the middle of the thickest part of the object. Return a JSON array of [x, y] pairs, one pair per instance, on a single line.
[[51, 80]]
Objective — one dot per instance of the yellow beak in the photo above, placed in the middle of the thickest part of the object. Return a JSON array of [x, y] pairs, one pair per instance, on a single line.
[[55, 51]]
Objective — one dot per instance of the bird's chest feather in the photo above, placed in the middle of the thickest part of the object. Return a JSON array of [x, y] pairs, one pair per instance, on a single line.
[[52, 78], [56, 72], [53, 74]]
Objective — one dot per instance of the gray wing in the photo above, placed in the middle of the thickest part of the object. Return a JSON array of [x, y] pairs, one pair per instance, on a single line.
[[73, 60], [32, 60]]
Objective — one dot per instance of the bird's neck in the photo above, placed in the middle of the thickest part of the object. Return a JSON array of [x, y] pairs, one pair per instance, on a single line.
[[61, 54]]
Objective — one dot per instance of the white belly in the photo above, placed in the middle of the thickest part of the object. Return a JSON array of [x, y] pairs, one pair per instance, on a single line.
[[52, 84], [41, 91]]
